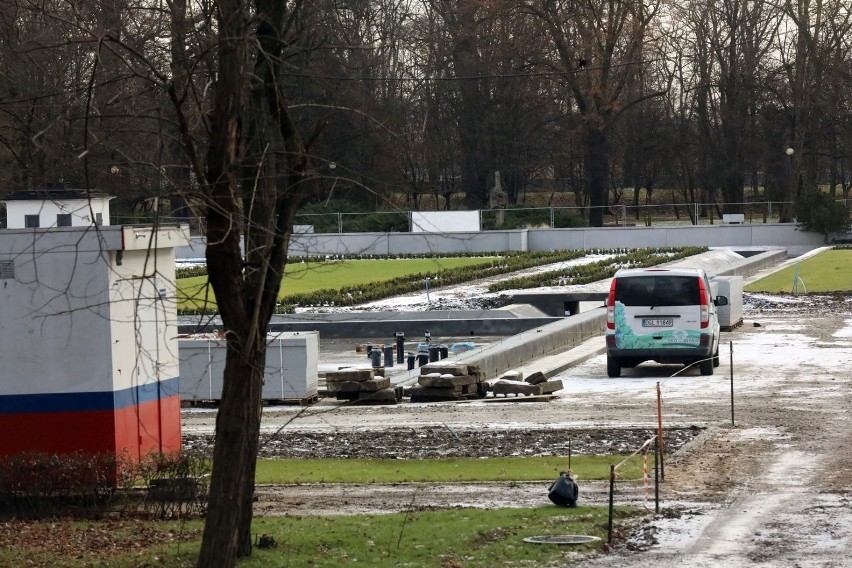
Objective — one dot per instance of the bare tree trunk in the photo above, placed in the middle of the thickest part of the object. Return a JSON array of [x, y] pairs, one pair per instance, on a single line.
[[472, 116], [603, 89], [226, 533], [263, 205], [237, 421], [597, 172]]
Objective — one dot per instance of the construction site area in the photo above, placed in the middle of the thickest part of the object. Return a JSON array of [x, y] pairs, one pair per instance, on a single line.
[[755, 452]]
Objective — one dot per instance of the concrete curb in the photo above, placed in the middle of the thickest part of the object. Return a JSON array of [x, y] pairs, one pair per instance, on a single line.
[[556, 339]]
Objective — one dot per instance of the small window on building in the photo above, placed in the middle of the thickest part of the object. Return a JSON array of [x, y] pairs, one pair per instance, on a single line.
[[7, 269], [31, 221], [99, 219], [63, 220]]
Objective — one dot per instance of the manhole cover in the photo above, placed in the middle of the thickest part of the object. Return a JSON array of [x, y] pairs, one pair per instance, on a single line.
[[561, 539]]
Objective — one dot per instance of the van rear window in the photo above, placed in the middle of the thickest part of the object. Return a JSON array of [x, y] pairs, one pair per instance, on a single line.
[[657, 290]]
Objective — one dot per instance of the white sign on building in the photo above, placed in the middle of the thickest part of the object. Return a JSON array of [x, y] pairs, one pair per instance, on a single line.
[[444, 221]]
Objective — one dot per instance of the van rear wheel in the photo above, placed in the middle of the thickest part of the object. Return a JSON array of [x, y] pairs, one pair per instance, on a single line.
[[706, 366], [613, 366]]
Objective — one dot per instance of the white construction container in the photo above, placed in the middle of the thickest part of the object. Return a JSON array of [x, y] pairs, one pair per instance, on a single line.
[[291, 367], [730, 316]]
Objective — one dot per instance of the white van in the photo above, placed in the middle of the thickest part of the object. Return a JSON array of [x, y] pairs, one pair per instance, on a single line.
[[667, 315]]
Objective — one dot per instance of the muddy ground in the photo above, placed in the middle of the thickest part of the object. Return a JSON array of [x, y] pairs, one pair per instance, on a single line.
[[446, 441], [768, 486]]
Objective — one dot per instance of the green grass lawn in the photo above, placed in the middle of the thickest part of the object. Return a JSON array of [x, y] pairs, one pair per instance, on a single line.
[[472, 538], [301, 277], [828, 271]]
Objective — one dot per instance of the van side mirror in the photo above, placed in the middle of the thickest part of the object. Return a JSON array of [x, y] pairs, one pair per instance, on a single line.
[[721, 301]]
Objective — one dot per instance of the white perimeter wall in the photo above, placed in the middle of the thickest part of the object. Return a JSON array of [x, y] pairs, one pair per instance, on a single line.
[[759, 235]]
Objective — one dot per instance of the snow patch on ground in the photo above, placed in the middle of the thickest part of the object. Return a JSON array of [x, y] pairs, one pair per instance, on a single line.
[[846, 331], [766, 433]]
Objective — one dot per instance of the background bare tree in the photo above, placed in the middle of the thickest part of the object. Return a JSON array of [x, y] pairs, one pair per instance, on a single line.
[[253, 171], [406, 98], [599, 49]]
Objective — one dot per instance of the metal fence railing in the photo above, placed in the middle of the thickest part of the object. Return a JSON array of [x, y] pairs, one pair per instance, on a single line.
[[553, 217], [659, 215]]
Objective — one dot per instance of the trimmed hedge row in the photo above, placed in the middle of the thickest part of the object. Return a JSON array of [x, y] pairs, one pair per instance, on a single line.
[[362, 293], [194, 271], [512, 262], [600, 270], [501, 264], [358, 294]]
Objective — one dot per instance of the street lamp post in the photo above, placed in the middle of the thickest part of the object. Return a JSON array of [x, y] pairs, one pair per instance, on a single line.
[[786, 209]]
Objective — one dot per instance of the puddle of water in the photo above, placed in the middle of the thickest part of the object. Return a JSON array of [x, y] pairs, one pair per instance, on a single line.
[[764, 433]]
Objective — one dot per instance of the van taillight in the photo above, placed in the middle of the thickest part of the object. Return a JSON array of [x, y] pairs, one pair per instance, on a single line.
[[610, 306], [705, 303]]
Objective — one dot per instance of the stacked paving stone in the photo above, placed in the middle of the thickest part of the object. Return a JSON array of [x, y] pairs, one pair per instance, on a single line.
[[513, 382], [447, 380], [361, 385]]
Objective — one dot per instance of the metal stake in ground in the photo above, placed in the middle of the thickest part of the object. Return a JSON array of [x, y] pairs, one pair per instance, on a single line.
[[660, 433], [657, 475], [611, 501], [732, 383]]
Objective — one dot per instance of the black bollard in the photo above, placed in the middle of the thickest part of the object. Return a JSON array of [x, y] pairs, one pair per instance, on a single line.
[[376, 357], [434, 353], [400, 346], [445, 351], [411, 359], [389, 356], [422, 358]]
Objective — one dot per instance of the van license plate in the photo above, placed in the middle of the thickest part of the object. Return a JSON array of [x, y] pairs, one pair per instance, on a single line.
[[664, 322]]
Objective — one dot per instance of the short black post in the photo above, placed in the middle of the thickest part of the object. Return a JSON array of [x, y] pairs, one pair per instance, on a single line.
[[444, 351], [732, 384], [411, 359], [434, 353], [422, 358], [389, 356], [375, 358], [400, 346], [611, 503], [657, 476], [660, 434]]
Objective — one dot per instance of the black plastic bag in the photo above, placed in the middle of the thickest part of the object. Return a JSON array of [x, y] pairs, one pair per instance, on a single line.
[[564, 491]]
